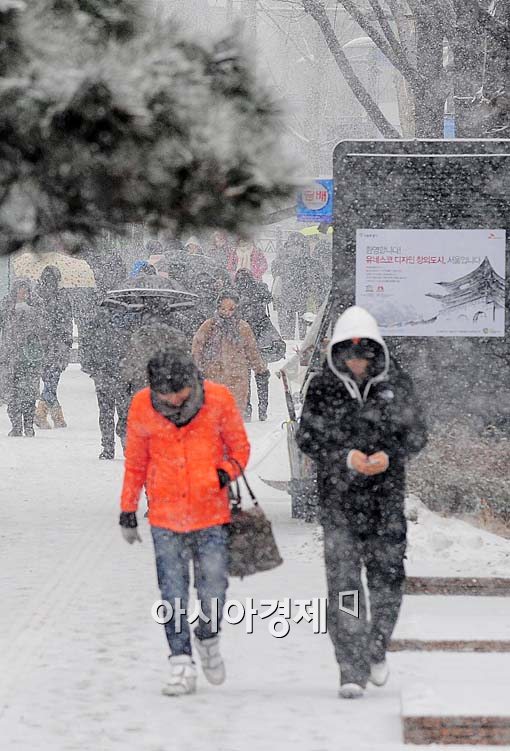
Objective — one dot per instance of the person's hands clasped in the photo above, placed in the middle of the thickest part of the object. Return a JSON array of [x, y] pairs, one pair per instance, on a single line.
[[378, 463], [375, 464]]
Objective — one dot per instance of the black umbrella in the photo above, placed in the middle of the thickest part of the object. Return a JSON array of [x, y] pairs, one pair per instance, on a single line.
[[156, 298]]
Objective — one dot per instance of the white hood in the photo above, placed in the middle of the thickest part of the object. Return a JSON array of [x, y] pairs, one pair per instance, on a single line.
[[357, 323]]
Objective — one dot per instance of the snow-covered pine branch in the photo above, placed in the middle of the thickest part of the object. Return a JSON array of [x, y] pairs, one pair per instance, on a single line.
[[105, 120]]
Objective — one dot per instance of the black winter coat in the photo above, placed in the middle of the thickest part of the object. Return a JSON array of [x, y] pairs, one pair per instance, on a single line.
[[333, 423], [253, 304], [104, 343]]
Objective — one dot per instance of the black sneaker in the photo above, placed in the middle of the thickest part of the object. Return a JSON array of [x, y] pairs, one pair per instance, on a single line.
[[262, 415], [15, 433], [29, 433]]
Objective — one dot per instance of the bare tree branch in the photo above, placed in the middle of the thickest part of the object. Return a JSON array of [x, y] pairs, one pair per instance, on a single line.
[[404, 32], [447, 12], [497, 30], [318, 13], [404, 64], [396, 56], [367, 26], [386, 27]]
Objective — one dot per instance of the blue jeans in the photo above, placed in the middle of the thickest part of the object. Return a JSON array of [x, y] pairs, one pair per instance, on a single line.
[[207, 548], [51, 377]]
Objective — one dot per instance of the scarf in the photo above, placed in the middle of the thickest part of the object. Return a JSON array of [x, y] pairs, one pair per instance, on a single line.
[[244, 256], [228, 327], [181, 416]]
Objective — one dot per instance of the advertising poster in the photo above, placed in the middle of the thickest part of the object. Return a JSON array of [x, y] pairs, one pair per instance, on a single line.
[[428, 282], [315, 202]]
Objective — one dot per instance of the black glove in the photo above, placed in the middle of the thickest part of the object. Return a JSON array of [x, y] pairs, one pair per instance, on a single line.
[[223, 477], [128, 519], [129, 525]]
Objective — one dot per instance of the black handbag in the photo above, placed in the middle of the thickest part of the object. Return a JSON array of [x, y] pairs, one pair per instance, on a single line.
[[271, 345], [251, 544]]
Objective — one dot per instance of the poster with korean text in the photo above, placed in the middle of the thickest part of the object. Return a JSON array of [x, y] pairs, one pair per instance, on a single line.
[[428, 282]]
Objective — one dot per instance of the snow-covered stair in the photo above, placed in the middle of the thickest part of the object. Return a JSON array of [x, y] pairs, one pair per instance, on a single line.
[[481, 586], [463, 703], [460, 624], [460, 713]]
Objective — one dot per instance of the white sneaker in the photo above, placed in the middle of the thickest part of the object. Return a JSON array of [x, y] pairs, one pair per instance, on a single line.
[[351, 691], [183, 676], [379, 673], [211, 659]]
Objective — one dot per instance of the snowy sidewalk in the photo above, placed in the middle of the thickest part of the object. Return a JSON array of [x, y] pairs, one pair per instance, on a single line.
[[82, 662]]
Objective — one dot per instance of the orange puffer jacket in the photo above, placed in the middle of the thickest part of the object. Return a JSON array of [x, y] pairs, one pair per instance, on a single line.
[[179, 466]]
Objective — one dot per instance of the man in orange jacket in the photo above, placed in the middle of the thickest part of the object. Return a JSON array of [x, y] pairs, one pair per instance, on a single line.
[[185, 442]]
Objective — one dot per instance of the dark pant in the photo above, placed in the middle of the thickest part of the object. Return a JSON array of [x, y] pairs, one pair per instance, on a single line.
[[207, 549], [23, 387], [51, 377], [112, 395], [287, 323], [262, 383], [358, 642]]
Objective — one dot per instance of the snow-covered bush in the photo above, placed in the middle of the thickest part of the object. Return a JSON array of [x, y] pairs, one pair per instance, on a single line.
[[107, 118], [463, 470]]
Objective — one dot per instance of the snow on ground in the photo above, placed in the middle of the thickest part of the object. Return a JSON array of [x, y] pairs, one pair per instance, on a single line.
[[82, 662], [441, 546]]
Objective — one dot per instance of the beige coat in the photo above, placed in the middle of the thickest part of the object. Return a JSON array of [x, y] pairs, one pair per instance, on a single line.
[[227, 362]]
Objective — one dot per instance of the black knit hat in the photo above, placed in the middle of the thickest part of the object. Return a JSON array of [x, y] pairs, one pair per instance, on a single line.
[[171, 371]]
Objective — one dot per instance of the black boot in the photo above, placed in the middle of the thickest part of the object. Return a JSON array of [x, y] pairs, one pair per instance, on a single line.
[[107, 453], [16, 418], [28, 421], [262, 382]]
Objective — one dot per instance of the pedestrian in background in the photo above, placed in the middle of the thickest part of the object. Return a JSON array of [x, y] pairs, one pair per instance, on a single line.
[[226, 351], [21, 355], [250, 258], [56, 327], [254, 299], [291, 270]]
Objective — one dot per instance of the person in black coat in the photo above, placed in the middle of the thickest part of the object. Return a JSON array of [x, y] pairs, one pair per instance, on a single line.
[[21, 356], [254, 298], [292, 271], [103, 346], [360, 423], [56, 324]]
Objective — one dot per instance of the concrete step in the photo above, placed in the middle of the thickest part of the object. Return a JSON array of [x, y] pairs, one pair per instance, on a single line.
[[483, 586], [473, 713], [457, 624]]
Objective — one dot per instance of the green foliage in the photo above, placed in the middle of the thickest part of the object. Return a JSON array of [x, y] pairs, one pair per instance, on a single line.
[[105, 120]]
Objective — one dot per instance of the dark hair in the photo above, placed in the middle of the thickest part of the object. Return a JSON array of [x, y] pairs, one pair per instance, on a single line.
[[174, 246], [154, 247], [227, 294], [171, 371], [50, 275], [296, 243], [244, 278]]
